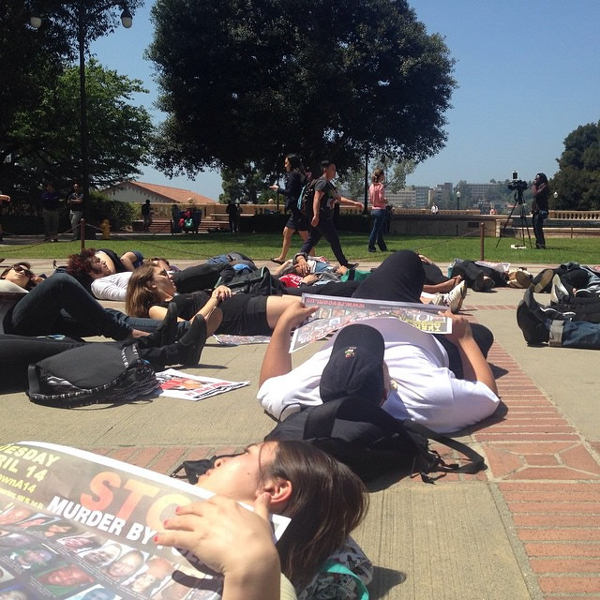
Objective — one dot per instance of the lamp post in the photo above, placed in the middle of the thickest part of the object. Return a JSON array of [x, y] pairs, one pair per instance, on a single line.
[[458, 200], [127, 21]]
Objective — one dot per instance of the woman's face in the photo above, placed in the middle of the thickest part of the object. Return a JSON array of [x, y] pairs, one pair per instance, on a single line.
[[19, 275], [239, 477], [162, 283], [287, 165]]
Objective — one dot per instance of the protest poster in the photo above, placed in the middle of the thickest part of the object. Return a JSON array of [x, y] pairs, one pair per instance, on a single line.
[[334, 312], [177, 384], [78, 526]]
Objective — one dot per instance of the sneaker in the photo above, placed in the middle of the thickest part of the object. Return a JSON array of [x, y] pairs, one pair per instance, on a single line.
[[454, 299], [372, 250], [488, 283], [463, 289], [542, 281], [559, 293], [583, 293], [439, 299], [535, 330]]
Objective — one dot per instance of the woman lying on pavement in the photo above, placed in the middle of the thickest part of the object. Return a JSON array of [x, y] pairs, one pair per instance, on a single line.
[[324, 499], [60, 305], [151, 289]]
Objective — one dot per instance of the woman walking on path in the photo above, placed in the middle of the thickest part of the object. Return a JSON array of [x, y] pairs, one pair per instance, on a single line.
[[295, 180], [378, 205]]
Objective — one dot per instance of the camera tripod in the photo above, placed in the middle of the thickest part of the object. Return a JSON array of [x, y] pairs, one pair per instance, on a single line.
[[523, 217]]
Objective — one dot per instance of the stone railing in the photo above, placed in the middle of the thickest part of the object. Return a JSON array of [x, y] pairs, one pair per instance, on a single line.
[[575, 215]]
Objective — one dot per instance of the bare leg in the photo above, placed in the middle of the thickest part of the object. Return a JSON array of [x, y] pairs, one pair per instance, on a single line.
[[276, 306], [287, 242]]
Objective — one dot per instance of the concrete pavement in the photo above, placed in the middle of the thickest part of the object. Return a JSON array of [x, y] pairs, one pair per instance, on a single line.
[[529, 527]]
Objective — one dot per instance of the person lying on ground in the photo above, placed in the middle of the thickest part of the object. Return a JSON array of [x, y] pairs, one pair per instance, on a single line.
[[21, 275], [151, 289], [579, 280], [419, 378], [304, 273], [435, 281], [546, 325], [324, 499], [94, 275], [60, 305], [160, 349]]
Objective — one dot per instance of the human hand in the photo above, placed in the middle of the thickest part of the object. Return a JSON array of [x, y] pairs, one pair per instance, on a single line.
[[314, 221], [302, 267], [221, 293], [227, 537], [461, 328], [296, 314], [274, 187]]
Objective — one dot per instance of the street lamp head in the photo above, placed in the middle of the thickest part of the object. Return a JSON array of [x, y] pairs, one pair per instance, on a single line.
[[458, 194], [555, 195], [126, 18], [35, 21]]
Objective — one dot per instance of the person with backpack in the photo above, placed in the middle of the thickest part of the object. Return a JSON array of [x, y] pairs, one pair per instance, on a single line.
[[419, 378], [295, 181], [321, 211]]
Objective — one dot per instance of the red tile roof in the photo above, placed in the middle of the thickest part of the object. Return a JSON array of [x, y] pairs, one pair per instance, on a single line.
[[171, 194]]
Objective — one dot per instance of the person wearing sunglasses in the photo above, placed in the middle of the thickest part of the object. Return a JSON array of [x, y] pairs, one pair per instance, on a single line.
[[21, 275]]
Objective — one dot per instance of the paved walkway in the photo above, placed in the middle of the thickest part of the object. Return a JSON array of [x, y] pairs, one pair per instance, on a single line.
[[528, 527]]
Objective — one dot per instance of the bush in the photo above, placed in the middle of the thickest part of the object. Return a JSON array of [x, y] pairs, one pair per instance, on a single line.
[[119, 214]]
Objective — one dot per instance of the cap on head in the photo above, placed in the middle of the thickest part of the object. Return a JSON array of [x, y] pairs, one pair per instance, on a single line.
[[355, 367]]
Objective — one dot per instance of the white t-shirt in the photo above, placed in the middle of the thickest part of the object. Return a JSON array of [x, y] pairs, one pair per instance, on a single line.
[[427, 391], [112, 287]]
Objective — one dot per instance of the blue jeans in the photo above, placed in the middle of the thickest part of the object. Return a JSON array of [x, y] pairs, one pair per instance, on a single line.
[[378, 215], [538, 228], [575, 334]]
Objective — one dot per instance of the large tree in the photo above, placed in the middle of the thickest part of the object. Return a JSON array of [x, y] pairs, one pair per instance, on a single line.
[[578, 179], [33, 61], [249, 80], [45, 139]]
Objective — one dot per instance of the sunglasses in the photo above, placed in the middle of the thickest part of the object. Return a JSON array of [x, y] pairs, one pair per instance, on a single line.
[[22, 269]]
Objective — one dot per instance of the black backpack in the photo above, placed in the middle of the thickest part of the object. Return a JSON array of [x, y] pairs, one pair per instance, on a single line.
[[372, 442], [306, 198], [101, 372], [259, 282]]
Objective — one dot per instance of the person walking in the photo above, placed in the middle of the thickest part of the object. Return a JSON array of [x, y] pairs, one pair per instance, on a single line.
[[321, 223], [539, 208], [50, 203], [295, 180], [378, 205], [75, 202], [147, 215]]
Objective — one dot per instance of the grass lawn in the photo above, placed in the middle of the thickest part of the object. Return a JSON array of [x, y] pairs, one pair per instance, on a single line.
[[263, 246]]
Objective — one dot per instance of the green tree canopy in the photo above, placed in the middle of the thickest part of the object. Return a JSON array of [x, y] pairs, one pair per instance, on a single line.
[[45, 139], [578, 179], [250, 81]]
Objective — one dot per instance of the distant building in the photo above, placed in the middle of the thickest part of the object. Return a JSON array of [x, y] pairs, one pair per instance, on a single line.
[[138, 192], [441, 194], [405, 198]]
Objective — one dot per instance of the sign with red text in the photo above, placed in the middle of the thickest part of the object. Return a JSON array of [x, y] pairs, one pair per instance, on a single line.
[[78, 526]]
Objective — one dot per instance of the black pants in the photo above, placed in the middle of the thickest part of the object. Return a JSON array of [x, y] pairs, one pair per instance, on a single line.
[[325, 229]]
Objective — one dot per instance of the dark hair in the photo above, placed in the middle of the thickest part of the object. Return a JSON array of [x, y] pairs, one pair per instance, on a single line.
[[81, 265], [542, 177], [30, 284], [325, 164], [296, 163], [377, 173], [328, 501], [140, 296]]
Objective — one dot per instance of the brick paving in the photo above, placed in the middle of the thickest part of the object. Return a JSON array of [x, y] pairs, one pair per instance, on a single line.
[[544, 470]]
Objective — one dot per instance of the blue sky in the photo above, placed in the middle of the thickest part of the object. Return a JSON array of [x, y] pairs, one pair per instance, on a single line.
[[528, 74]]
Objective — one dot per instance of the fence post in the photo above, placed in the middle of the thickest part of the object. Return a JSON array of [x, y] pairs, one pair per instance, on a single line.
[[82, 233], [481, 241]]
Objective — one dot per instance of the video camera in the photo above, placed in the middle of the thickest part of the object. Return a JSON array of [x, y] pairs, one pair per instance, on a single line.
[[518, 185]]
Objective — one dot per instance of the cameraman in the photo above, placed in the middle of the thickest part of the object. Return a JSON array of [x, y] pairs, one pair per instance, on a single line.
[[539, 208]]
